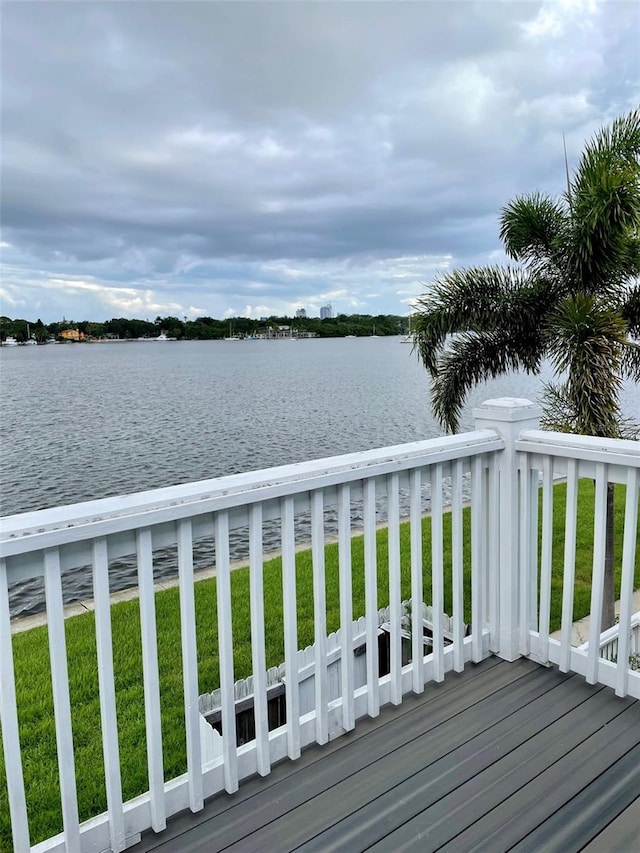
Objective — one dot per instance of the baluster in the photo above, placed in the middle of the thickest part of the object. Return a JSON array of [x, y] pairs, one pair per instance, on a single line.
[[10, 726], [346, 606], [626, 584], [491, 571], [190, 663], [256, 595], [477, 561], [61, 701], [597, 577], [493, 554], [151, 679], [534, 504], [526, 563], [371, 596], [290, 628], [417, 594], [108, 714], [225, 652], [437, 574], [319, 617], [395, 594], [457, 567], [546, 557], [568, 577]]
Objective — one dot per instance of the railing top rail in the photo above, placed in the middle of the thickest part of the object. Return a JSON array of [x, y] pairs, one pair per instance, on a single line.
[[143, 509], [614, 451]]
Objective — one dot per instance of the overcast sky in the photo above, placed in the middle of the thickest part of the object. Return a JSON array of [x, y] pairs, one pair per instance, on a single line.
[[251, 158]]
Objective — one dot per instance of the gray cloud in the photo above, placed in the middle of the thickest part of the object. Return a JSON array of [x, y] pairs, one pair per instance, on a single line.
[[195, 153]]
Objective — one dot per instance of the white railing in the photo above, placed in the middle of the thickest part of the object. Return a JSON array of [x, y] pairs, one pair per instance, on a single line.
[[505, 588], [609, 642], [546, 456], [46, 544]]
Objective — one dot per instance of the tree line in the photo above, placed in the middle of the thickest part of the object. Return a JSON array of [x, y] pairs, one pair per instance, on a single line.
[[207, 328]]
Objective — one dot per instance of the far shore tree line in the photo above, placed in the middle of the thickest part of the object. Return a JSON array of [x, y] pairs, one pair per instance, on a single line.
[[206, 328]]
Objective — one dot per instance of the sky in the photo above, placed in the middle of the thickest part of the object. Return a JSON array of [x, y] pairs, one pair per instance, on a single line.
[[253, 158]]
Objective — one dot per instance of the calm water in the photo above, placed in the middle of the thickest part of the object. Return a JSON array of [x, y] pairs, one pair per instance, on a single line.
[[86, 421]]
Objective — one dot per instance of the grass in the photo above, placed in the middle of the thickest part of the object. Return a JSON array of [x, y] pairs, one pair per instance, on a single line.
[[33, 680]]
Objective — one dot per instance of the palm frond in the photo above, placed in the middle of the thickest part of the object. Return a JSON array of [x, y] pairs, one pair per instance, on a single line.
[[557, 414], [585, 340], [630, 364], [473, 357], [481, 299], [630, 310], [560, 416], [605, 193], [531, 228]]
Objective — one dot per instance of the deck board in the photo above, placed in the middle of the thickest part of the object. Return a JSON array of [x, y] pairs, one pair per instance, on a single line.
[[593, 807], [621, 834], [502, 755], [450, 794], [501, 804]]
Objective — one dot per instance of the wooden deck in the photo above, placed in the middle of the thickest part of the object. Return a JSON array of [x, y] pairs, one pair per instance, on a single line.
[[506, 756]]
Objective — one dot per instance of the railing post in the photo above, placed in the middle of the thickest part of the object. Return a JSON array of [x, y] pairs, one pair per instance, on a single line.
[[508, 416]]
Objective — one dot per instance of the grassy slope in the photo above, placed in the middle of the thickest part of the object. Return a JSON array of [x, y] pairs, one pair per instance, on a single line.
[[34, 682]]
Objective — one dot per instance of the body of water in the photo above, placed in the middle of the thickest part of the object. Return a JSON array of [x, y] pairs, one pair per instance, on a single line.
[[81, 422]]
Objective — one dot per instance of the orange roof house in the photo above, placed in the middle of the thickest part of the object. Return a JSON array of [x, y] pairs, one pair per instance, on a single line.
[[72, 335]]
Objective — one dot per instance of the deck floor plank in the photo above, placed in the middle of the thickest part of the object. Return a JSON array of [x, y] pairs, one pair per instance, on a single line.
[[303, 813], [452, 822], [383, 734], [528, 807], [591, 811], [503, 754], [621, 834], [451, 793], [483, 678]]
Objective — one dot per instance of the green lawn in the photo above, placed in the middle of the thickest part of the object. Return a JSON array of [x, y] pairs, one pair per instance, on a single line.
[[33, 679]]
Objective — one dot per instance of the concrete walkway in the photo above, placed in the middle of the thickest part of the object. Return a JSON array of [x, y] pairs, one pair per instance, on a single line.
[[580, 630]]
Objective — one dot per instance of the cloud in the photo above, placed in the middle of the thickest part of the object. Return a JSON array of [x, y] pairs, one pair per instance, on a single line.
[[285, 151]]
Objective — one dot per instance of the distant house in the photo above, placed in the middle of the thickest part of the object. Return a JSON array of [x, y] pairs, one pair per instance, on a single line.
[[72, 335]]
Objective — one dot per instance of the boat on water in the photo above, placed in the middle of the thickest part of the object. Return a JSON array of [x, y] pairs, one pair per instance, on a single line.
[[10, 341], [231, 336], [408, 338], [161, 337]]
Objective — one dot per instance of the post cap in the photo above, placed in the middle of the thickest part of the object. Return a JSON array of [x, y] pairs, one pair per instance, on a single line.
[[507, 409]]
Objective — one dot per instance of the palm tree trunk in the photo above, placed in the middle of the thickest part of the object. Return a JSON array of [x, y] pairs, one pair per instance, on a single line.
[[608, 597]]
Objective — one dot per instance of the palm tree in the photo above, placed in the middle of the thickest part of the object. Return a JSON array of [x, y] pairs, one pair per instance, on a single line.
[[572, 297]]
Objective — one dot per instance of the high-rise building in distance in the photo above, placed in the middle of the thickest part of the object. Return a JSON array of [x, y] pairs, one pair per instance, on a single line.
[[326, 312]]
